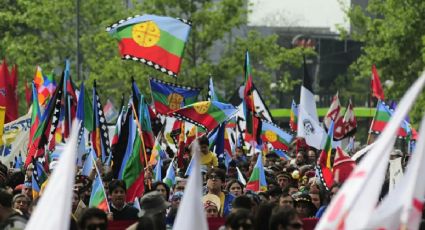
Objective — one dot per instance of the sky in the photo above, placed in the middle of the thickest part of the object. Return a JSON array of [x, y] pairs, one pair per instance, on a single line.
[[299, 13]]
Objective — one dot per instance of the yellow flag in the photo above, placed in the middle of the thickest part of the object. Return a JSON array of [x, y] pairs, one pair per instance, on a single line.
[[2, 115]]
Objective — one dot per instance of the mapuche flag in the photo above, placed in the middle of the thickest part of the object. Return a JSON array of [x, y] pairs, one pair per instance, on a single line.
[[257, 180], [206, 114], [324, 167], [381, 118], [152, 40], [168, 97], [279, 139], [293, 117]]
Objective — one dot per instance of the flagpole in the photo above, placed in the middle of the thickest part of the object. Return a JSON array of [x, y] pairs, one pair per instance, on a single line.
[[100, 178], [140, 134]]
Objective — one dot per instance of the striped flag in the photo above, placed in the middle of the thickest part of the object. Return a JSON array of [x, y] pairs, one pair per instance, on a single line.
[[257, 180]]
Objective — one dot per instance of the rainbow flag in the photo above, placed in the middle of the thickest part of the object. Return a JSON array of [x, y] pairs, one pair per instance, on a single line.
[[168, 97], [257, 180], [206, 114], [152, 40], [98, 195], [274, 135], [35, 115]]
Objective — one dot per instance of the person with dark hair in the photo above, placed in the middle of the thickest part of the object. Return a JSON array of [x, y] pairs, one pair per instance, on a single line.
[[241, 219], [145, 222], [242, 202], [119, 208], [208, 158], [304, 206], [285, 218], [215, 180], [263, 215], [162, 188], [286, 200], [93, 219], [274, 194], [235, 187], [283, 179], [9, 218]]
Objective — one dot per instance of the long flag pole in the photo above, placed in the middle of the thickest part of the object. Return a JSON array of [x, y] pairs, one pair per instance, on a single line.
[[140, 133], [103, 187]]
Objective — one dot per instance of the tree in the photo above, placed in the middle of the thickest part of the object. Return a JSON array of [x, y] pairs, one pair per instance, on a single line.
[[393, 33], [44, 33]]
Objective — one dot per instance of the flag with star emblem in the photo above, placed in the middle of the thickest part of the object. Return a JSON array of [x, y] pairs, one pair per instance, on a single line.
[[278, 138], [153, 40]]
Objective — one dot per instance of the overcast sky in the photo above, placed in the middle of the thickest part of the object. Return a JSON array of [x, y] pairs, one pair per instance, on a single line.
[[298, 13]]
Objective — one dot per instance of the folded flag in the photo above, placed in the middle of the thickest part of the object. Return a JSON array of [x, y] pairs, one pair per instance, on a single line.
[[152, 40], [257, 180], [293, 117], [274, 135], [375, 85], [206, 114], [324, 167], [168, 97]]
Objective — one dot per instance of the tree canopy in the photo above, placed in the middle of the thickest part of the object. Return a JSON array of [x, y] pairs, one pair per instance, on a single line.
[[393, 33], [44, 33]]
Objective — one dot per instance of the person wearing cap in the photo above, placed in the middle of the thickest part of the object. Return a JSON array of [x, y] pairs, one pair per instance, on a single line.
[[208, 158], [175, 203], [27, 189], [154, 206], [211, 205], [119, 208], [215, 180]]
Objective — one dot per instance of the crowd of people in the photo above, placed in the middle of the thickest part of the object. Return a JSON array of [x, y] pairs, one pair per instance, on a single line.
[[295, 197]]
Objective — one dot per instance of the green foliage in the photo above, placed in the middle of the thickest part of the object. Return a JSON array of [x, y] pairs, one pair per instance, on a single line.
[[393, 33], [43, 32]]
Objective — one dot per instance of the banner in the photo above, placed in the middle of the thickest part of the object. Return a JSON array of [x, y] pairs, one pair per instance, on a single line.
[[15, 139], [396, 172]]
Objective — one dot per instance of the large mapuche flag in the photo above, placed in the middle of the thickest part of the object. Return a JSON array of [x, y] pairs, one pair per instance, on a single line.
[[153, 40]]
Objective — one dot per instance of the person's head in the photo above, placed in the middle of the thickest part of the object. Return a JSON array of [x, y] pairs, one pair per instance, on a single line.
[[292, 189], [145, 222], [300, 158], [117, 192], [312, 158], [215, 180], [204, 144], [235, 187], [240, 152], [263, 215], [176, 199], [153, 203], [315, 199], [285, 218], [75, 200], [212, 205], [242, 202], [180, 184], [93, 219], [162, 188], [334, 189], [305, 208], [241, 219], [274, 194], [27, 189], [283, 179], [286, 200], [21, 202]]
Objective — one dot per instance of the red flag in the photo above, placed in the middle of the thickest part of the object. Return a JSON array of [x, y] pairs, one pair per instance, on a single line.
[[376, 85], [12, 95]]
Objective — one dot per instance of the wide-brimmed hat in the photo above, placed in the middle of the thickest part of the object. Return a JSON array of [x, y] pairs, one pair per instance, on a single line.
[[153, 203]]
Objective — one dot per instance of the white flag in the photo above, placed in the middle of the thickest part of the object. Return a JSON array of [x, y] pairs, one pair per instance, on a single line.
[[402, 208], [355, 202], [54, 208], [191, 214], [309, 128], [396, 172]]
